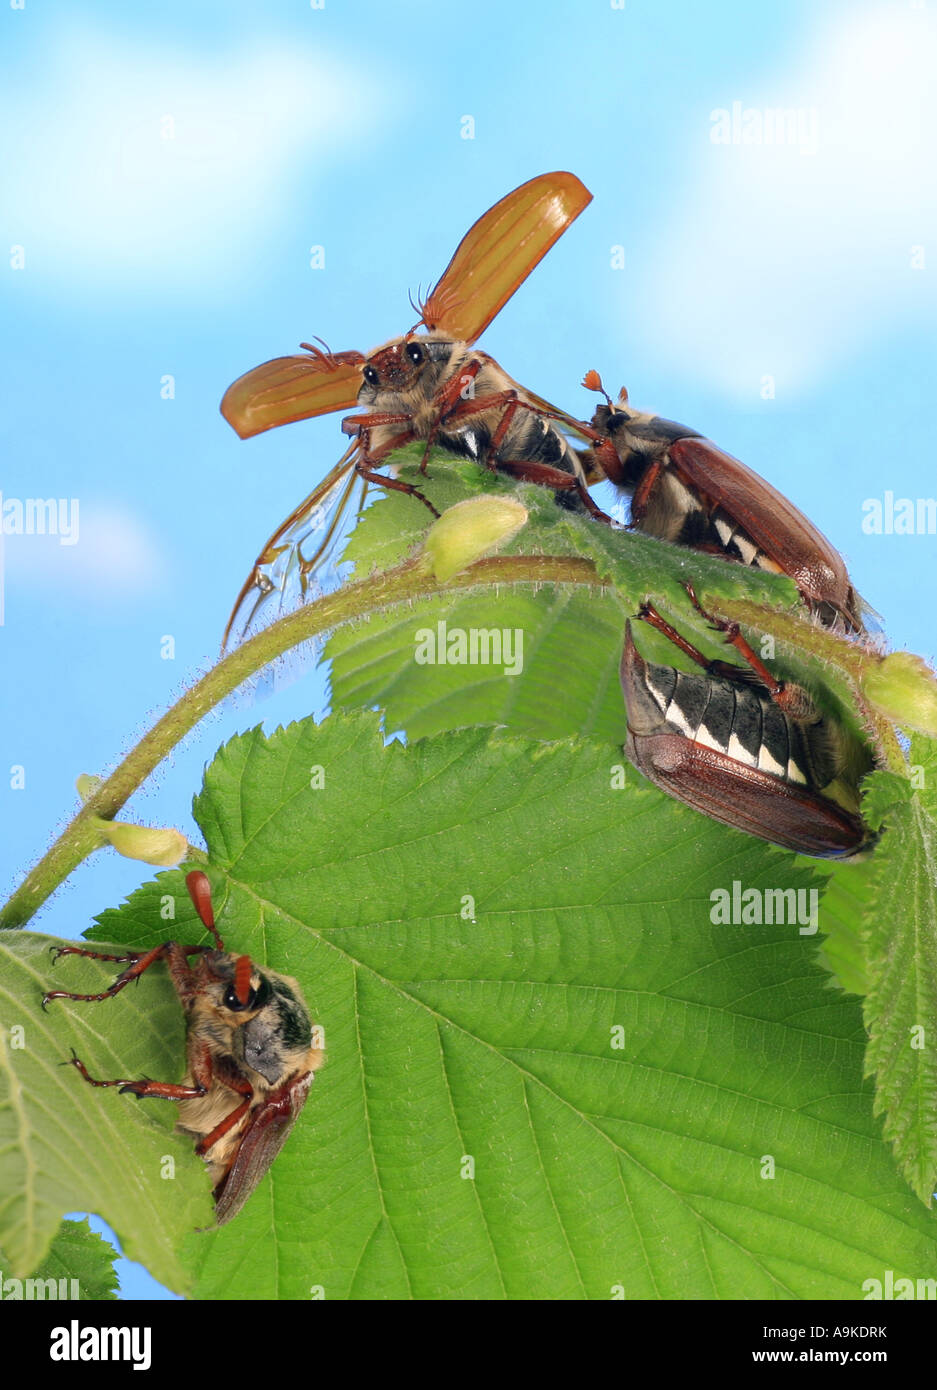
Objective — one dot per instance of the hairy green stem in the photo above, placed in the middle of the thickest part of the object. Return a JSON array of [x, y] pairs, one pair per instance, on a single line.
[[411, 580]]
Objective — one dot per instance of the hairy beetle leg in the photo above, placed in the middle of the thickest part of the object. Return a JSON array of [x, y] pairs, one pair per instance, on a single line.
[[162, 1089], [733, 635], [58, 951], [787, 697], [244, 1089], [170, 951], [649, 614]]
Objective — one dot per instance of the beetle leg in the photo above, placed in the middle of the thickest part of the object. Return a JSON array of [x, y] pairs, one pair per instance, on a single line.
[[787, 696], [395, 485], [451, 406], [58, 951], [227, 1073], [164, 1090], [133, 972], [594, 510], [449, 397], [649, 614], [733, 635], [448, 402], [556, 479], [366, 465], [478, 405], [541, 473], [642, 492], [361, 425], [228, 1123], [222, 1128], [170, 951], [356, 424], [511, 403], [592, 435], [371, 458]]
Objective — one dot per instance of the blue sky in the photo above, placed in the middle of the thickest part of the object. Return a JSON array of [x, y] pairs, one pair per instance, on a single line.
[[166, 169]]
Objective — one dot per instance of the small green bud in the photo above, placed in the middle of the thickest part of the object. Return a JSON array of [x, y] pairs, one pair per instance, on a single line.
[[903, 687], [154, 845], [87, 786], [471, 530]]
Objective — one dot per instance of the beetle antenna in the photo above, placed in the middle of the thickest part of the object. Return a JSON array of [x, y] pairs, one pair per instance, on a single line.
[[593, 382], [242, 978], [419, 304], [322, 354]]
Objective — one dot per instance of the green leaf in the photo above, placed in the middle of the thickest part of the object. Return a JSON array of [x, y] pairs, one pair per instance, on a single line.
[[568, 682], [568, 685], [79, 1261], [548, 1067], [901, 951], [571, 635], [67, 1147], [477, 922], [846, 898], [572, 639], [635, 565]]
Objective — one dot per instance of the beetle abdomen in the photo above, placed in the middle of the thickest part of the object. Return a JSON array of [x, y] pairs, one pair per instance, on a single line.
[[677, 513], [739, 720], [725, 748]]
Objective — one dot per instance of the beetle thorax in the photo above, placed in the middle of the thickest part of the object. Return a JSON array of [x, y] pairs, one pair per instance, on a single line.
[[405, 373]]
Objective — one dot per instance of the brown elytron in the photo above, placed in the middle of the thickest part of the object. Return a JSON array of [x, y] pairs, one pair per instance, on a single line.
[[686, 490]]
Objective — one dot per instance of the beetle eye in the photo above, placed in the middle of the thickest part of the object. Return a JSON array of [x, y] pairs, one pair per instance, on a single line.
[[370, 376], [414, 352], [232, 1002]]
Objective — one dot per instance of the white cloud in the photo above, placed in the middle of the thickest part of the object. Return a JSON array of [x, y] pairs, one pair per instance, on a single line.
[[85, 549], [131, 158], [783, 261]]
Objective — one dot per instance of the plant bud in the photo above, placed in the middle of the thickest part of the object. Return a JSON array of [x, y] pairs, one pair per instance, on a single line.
[[903, 687], [470, 530], [154, 845], [87, 786]]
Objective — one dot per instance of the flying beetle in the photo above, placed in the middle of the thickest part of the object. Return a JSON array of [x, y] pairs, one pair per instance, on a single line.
[[744, 748], [687, 491], [433, 386], [250, 1050]]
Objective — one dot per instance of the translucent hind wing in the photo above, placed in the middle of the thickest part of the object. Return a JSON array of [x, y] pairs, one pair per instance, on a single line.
[[872, 621], [299, 561]]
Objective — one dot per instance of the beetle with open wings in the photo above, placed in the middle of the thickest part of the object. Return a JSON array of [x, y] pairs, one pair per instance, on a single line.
[[433, 386], [436, 386]]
